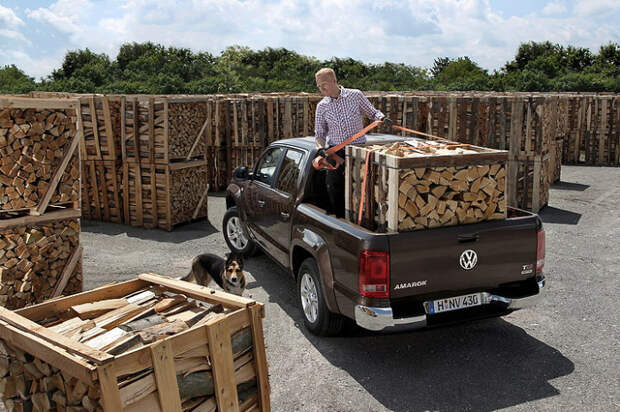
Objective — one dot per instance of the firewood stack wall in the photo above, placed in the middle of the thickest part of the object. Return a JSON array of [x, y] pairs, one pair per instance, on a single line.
[[40, 253], [529, 125], [135, 346]]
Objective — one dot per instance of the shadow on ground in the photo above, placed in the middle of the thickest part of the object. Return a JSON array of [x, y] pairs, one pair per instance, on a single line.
[[480, 365], [180, 234], [552, 214], [569, 186]]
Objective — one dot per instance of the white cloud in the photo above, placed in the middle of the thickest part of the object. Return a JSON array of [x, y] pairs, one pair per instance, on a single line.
[[554, 8], [9, 19], [66, 16], [596, 7], [13, 35], [408, 31]]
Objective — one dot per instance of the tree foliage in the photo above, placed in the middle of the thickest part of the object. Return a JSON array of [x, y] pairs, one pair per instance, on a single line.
[[149, 68]]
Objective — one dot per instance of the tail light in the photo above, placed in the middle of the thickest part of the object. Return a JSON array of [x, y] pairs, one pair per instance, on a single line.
[[374, 274], [540, 251]]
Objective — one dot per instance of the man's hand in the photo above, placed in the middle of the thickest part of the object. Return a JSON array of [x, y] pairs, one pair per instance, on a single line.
[[321, 152], [387, 122]]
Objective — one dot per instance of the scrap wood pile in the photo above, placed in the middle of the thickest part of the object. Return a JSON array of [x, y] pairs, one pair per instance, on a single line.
[[40, 253], [155, 349], [419, 184]]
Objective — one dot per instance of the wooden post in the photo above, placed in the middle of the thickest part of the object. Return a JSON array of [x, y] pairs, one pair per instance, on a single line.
[[165, 377], [220, 349], [110, 393], [93, 120], [258, 346], [57, 175]]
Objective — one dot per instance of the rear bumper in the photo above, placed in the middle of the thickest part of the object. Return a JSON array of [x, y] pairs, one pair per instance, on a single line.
[[376, 318]]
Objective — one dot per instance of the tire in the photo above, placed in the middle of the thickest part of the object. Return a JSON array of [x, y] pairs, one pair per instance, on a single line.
[[317, 317], [236, 235]]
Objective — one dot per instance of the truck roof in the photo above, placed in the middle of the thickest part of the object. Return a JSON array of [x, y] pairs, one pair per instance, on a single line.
[[309, 142]]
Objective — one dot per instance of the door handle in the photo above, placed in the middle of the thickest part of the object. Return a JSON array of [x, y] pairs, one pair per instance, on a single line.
[[469, 238], [285, 215], [261, 203]]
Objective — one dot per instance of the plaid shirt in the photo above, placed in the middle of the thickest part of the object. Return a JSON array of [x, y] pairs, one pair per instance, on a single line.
[[338, 119]]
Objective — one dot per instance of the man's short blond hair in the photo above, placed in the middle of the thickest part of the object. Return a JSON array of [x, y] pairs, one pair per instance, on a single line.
[[326, 71]]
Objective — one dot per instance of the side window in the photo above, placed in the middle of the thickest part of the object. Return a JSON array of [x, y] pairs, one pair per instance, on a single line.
[[289, 173], [267, 165]]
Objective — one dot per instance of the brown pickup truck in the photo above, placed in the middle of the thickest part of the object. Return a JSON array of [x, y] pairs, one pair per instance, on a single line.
[[383, 281]]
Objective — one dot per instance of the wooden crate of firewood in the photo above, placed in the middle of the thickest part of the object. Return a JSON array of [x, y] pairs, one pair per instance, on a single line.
[[40, 257], [39, 160], [102, 190], [101, 122], [164, 129], [419, 184], [149, 344], [162, 196]]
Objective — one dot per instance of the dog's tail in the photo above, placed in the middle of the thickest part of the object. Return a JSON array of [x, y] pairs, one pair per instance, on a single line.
[[190, 275]]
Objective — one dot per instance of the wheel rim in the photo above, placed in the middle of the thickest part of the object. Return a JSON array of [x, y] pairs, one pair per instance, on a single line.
[[309, 298], [236, 234]]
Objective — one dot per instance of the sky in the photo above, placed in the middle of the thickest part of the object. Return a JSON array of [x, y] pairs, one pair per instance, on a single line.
[[35, 35]]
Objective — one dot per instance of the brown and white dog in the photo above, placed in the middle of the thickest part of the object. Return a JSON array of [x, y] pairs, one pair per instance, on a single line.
[[227, 273]]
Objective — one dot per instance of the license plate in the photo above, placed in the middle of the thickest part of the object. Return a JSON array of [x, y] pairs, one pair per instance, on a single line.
[[454, 303]]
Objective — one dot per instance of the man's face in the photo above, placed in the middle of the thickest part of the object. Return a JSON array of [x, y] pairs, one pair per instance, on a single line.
[[328, 86]]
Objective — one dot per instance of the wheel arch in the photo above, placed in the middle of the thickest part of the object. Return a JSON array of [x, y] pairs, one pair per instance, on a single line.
[[308, 244]]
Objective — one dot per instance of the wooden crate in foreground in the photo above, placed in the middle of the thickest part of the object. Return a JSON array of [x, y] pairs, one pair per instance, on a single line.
[[150, 344], [422, 184]]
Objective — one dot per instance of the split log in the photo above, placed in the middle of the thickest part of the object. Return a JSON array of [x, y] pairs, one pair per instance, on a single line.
[[36, 258]]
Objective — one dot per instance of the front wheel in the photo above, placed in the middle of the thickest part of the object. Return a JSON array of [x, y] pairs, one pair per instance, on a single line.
[[236, 235], [317, 317]]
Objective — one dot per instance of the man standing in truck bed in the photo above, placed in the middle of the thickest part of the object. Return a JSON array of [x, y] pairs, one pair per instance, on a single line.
[[338, 117]]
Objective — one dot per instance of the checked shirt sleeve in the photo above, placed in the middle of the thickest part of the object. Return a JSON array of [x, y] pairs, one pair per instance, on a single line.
[[367, 108], [320, 124]]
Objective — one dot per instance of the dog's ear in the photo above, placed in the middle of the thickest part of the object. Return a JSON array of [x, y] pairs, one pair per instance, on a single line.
[[239, 260], [230, 258]]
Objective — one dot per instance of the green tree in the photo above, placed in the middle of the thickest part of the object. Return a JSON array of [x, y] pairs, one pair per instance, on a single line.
[[14, 80]]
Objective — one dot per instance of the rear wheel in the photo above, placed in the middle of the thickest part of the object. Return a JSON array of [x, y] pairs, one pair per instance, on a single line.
[[317, 317], [236, 235]]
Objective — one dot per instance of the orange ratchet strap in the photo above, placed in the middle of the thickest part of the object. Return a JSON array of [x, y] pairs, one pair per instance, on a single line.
[[332, 160]]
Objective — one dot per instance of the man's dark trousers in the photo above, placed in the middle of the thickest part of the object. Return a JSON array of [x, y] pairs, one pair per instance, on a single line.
[[335, 187]]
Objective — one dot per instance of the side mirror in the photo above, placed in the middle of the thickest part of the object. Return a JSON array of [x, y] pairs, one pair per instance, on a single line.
[[241, 173]]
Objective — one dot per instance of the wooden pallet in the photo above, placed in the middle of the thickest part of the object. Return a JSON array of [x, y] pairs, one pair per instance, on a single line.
[[39, 160], [162, 130], [40, 257], [102, 190], [162, 196], [407, 189], [101, 127], [170, 353]]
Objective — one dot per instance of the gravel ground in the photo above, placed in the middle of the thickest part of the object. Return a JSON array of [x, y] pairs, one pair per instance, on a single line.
[[560, 355]]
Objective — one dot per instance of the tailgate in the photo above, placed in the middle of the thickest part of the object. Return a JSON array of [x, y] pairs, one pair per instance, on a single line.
[[431, 261]]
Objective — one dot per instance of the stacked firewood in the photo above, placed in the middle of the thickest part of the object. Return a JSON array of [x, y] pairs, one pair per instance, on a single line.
[[186, 121], [188, 193], [117, 326], [33, 145], [419, 184], [446, 196], [39, 261]]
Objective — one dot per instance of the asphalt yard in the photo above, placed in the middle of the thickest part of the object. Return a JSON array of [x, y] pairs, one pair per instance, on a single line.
[[561, 355]]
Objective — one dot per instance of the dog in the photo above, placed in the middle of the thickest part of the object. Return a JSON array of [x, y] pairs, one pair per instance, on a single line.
[[227, 273]]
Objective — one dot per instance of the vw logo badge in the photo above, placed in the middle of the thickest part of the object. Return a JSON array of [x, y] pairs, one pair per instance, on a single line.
[[468, 259]]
